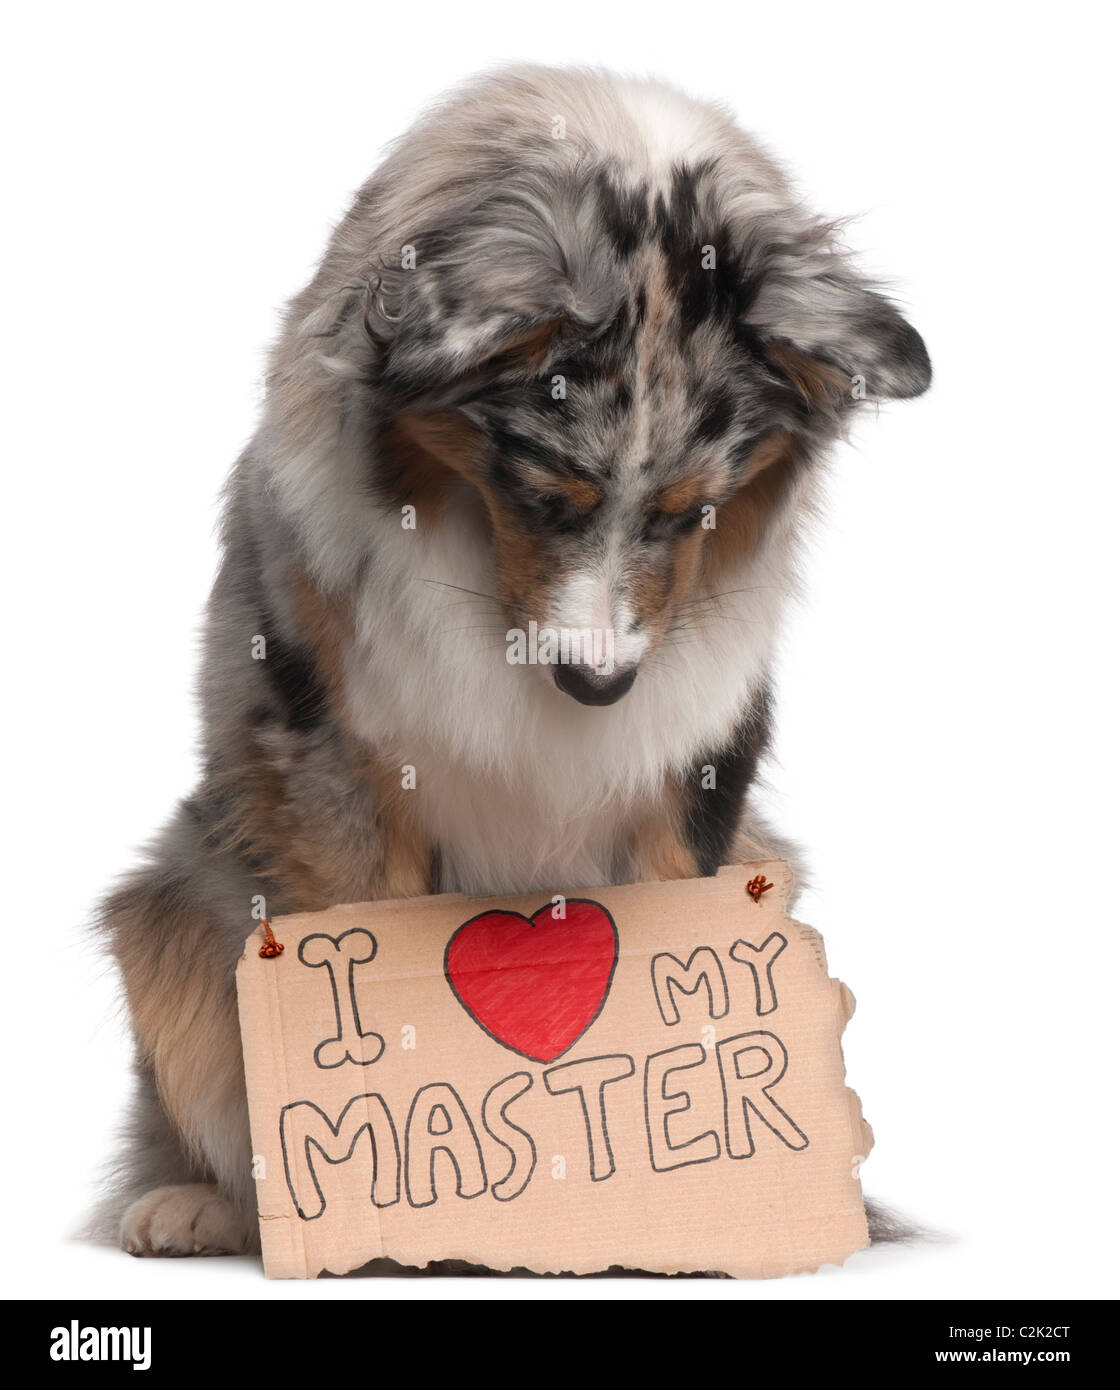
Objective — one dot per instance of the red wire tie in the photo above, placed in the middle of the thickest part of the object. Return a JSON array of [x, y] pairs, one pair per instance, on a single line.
[[271, 947], [758, 885]]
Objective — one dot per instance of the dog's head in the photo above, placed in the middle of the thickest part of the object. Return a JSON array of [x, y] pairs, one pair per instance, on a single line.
[[633, 378]]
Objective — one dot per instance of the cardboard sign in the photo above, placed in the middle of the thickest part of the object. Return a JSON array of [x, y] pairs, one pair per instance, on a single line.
[[647, 1076]]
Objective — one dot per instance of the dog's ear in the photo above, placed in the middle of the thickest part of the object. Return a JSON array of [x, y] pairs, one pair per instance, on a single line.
[[435, 362], [427, 438], [493, 290], [832, 335]]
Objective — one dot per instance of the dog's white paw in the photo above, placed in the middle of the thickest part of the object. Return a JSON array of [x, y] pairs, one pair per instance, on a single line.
[[194, 1219]]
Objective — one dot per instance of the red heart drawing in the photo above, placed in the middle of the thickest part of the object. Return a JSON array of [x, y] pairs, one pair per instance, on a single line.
[[535, 984]]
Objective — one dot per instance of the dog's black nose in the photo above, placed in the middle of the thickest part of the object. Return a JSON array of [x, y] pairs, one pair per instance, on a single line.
[[582, 684]]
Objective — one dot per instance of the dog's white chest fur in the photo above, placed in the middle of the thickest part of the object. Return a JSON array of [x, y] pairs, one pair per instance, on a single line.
[[520, 786]]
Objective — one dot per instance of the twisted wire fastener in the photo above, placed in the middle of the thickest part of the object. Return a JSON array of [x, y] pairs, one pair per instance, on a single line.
[[758, 885], [271, 947]]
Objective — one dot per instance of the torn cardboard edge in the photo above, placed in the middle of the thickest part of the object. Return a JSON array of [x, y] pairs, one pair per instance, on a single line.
[[646, 1076]]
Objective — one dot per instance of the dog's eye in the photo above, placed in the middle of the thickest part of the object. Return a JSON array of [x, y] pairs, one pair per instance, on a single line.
[[563, 507], [559, 512], [661, 525]]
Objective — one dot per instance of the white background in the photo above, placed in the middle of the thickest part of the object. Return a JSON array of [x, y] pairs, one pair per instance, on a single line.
[[947, 699]]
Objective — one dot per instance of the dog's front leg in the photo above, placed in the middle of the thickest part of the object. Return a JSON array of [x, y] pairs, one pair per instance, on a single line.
[[185, 1182], [686, 837], [177, 930], [657, 846]]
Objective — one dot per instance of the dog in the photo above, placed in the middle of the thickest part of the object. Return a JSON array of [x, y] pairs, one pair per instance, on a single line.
[[570, 367]]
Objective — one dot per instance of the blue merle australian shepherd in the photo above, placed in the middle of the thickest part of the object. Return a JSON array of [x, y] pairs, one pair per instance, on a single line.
[[571, 364]]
